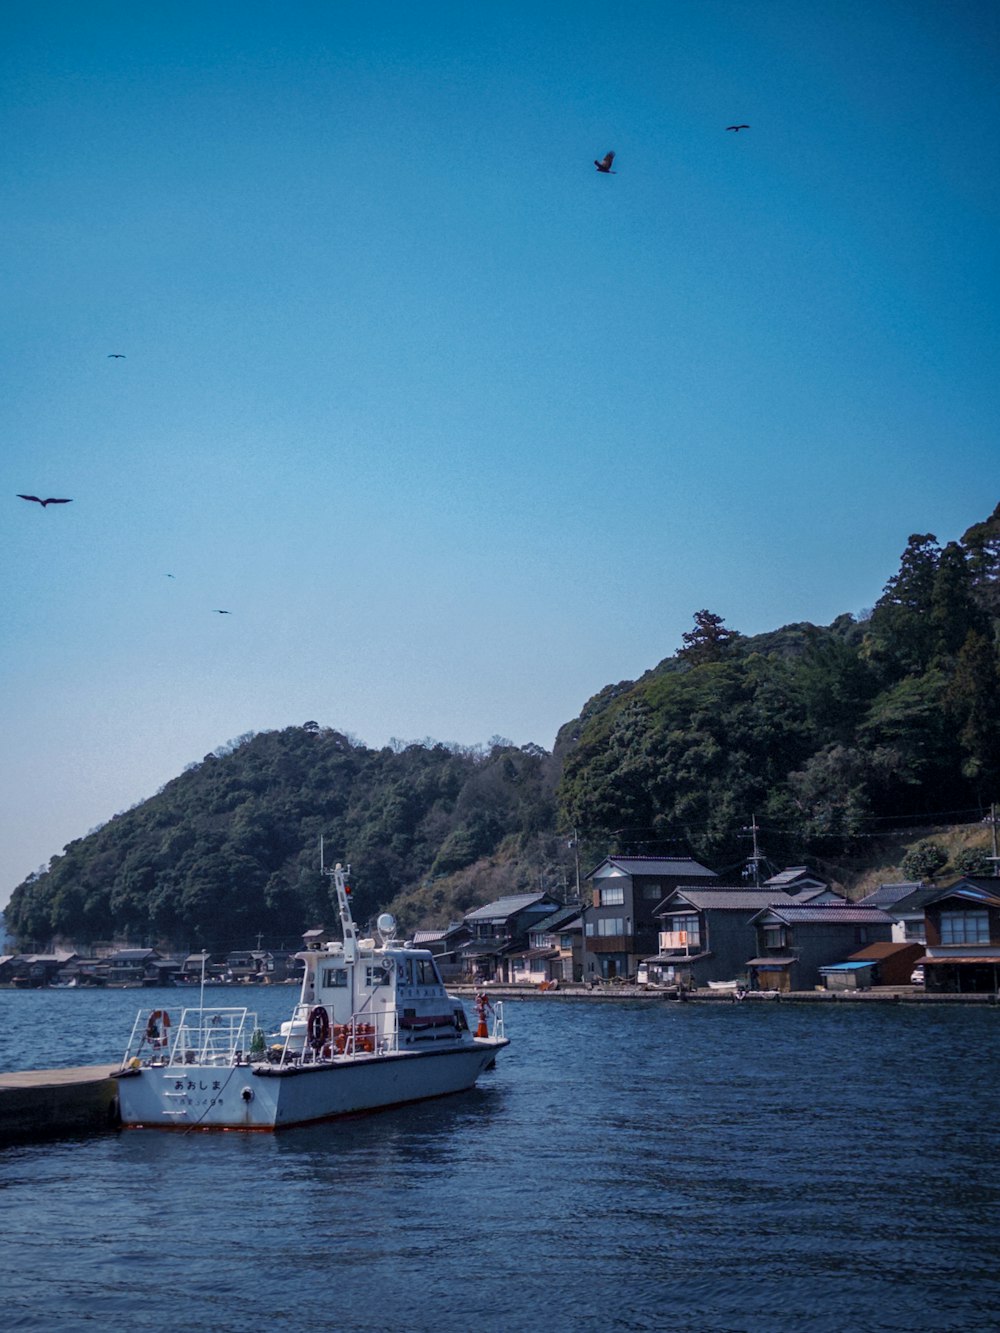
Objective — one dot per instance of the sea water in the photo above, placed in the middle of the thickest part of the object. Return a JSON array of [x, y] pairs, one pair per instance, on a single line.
[[633, 1165]]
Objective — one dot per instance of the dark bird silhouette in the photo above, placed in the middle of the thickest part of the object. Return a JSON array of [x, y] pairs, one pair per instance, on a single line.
[[116, 356], [737, 128], [50, 501], [605, 164], [222, 613], [170, 576]]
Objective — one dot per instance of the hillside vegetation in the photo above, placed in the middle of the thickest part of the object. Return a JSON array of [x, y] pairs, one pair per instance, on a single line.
[[836, 739]]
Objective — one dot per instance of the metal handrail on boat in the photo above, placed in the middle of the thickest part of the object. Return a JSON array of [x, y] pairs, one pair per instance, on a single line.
[[360, 1036], [215, 1036]]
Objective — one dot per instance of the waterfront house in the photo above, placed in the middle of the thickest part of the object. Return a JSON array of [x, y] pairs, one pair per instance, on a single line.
[[445, 944], [963, 937], [134, 967], [794, 940], [705, 933], [196, 964], [620, 923], [552, 944], [30, 970], [500, 929], [904, 902]]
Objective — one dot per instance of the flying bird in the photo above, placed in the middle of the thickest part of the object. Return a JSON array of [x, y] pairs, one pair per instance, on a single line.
[[116, 356], [737, 128], [605, 163], [221, 613], [38, 501]]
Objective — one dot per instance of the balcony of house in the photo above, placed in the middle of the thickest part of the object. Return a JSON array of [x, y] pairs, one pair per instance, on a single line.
[[611, 944]]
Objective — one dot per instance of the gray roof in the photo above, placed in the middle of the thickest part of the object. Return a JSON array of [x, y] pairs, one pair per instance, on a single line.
[[723, 899], [657, 865], [502, 908], [828, 913], [888, 894], [558, 919], [791, 873]]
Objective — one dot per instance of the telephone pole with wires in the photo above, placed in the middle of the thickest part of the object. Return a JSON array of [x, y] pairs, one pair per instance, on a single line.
[[992, 820], [755, 858]]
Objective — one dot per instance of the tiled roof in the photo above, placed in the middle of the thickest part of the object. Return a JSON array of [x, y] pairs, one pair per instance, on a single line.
[[723, 899], [656, 865], [888, 894], [829, 914], [503, 908], [561, 917], [792, 873]]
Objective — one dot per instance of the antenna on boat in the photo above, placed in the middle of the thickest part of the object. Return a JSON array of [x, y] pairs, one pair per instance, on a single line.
[[339, 875]]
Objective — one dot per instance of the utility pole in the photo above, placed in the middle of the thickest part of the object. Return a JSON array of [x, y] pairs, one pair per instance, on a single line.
[[755, 857], [991, 819], [575, 844]]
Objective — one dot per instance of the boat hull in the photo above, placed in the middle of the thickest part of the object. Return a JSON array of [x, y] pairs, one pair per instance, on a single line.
[[269, 1097]]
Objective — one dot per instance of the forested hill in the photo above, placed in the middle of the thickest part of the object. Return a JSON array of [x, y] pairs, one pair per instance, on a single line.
[[826, 734], [230, 849]]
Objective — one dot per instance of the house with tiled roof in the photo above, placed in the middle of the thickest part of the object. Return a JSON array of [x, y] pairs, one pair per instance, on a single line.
[[904, 902], [962, 952], [794, 940], [498, 930], [445, 944], [552, 944], [620, 924], [705, 934]]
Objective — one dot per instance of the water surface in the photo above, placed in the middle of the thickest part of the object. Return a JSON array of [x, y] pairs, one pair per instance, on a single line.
[[634, 1165]]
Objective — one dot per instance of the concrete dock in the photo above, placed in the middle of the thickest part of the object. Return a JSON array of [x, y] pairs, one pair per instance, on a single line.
[[52, 1103]]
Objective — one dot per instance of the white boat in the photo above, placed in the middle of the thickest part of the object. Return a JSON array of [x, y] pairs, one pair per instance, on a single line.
[[374, 1027]]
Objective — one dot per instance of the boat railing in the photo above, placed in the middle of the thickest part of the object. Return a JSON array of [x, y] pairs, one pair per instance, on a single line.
[[214, 1036], [498, 1032], [364, 1034]]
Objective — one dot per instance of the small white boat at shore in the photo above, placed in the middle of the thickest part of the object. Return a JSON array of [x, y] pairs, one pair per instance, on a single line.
[[374, 1027]]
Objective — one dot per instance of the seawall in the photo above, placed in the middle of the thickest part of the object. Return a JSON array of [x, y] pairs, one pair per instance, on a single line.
[[54, 1103]]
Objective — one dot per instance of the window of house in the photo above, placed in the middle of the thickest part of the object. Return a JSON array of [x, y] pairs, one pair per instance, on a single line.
[[680, 931], [613, 896], [652, 893], [969, 927], [774, 937], [565, 941], [611, 925]]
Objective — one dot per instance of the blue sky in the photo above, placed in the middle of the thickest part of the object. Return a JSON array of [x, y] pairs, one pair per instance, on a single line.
[[458, 429]]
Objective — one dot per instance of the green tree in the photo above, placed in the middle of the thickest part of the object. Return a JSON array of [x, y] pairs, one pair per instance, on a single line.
[[709, 641], [972, 706], [924, 861]]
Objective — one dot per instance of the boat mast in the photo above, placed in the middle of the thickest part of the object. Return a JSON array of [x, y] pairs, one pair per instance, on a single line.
[[339, 875]]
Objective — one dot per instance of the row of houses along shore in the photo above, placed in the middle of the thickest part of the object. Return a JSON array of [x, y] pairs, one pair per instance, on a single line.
[[661, 921]]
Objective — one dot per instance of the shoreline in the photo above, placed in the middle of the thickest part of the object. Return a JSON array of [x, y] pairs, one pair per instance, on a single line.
[[612, 993]]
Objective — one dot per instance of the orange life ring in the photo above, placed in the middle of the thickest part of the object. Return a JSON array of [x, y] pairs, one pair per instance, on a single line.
[[156, 1027]]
